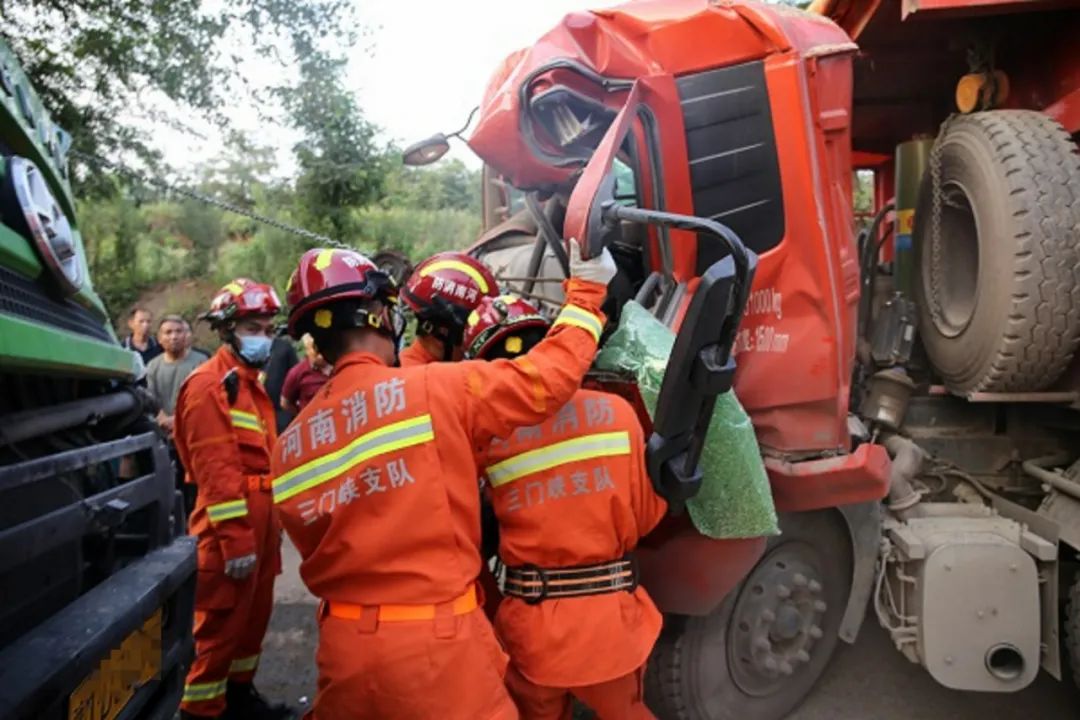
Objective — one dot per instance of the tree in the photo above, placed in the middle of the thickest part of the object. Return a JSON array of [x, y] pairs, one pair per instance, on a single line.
[[94, 60], [341, 166], [449, 184]]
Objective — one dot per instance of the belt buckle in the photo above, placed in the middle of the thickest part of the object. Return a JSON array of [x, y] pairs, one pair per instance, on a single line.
[[635, 573], [542, 576]]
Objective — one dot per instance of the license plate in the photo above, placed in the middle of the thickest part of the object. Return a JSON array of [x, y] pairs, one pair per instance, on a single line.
[[105, 692]]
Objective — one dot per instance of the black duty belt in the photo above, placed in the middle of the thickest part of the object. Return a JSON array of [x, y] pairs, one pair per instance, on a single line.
[[534, 584]]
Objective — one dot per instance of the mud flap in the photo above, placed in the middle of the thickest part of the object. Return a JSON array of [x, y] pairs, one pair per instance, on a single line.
[[863, 521]]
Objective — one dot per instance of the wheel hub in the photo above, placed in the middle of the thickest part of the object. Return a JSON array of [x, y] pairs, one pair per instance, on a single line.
[[776, 622]]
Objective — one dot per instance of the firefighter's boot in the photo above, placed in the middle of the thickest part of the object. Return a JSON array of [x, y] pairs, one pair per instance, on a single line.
[[244, 702]]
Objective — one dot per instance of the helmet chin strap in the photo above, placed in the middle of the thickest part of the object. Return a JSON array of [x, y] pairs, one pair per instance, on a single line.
[[450, 340]]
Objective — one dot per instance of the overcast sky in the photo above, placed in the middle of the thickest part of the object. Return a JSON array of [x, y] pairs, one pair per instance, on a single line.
[[421, 71]]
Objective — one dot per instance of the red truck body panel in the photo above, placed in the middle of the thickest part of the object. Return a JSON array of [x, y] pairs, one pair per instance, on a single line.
[[796, 344]]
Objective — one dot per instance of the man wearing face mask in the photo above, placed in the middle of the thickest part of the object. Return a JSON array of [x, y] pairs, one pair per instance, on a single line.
[[224, 431]]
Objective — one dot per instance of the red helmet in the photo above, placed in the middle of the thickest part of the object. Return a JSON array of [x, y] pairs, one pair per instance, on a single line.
[[326, 276], [242, 298], [446, 287], [501, 327]]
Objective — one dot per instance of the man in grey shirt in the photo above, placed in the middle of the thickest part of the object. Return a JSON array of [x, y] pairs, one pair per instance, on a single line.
[[167, 372]]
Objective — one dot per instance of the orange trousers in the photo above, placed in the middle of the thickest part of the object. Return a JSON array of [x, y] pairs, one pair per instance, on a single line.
[[231, 616], [450, 668], [618, 699]]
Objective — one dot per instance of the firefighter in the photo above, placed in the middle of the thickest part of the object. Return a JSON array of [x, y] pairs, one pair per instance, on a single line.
[[224, 431], [441, 292], [376, 485], [572, 499]]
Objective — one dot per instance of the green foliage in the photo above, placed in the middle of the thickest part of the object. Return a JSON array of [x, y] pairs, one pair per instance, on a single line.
[[96, 61], [167, 61], [418, 233], [864, 197], [447, 184], [341, 166]]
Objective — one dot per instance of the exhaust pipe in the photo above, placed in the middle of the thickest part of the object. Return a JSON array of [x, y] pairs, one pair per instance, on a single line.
[[1005, 662], [907, 459]]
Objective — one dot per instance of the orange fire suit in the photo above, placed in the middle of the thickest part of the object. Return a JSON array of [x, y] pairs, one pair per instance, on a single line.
[[572, 492], [376, 484], [416, 354], [225, 447]]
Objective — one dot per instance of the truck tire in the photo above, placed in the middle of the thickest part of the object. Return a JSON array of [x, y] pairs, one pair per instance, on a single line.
[[999, 300], [1072, 630], [760, 653]]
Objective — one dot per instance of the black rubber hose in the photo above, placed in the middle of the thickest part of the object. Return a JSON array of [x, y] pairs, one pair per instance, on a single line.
[[547, 231], [867, 264]]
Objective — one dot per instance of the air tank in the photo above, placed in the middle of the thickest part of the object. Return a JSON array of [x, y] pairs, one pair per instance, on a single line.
[[912, 160]]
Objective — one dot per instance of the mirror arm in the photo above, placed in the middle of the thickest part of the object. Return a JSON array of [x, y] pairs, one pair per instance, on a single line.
[[612, 213], [464, 127]]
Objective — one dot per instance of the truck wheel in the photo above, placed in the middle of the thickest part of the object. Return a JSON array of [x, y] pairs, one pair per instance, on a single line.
[[1072, 629], [764, 648], [999, 299]]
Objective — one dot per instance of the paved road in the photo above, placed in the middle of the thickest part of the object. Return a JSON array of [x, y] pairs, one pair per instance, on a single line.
[[867, 681]]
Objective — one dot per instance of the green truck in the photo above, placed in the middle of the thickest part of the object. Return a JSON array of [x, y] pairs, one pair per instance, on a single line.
[[97, 574]]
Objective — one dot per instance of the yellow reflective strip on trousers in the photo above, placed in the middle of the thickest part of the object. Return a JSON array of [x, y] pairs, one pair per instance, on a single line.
[[572, 315], [204, 691], [561, 453], [227, 510], [246, 664], [460, 267], [389, 438]]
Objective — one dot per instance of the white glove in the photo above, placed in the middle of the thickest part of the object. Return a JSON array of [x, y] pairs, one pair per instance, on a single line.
[[239, 568], [599, 269]]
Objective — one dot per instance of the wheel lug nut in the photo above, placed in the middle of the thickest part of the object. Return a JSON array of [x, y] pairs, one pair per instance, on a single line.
[[770, 664], [799, 580], [763, 644], [785, 667], [820, 606], [802, 656], [815, 632], [783, 591], [815, 586], [768, 615]]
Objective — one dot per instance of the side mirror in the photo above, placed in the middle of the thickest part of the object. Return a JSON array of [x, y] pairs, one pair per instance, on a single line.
[[701, 367], [426, 151], [431, 149]]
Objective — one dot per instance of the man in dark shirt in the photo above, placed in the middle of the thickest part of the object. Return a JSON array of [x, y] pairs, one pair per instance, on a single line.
[[282, 359], [305, 379], [140, 339]]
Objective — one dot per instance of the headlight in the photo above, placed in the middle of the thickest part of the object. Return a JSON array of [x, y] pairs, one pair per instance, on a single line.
[[47, 224]]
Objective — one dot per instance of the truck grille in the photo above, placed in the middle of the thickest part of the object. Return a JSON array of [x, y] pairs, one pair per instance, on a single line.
[[26, 299]]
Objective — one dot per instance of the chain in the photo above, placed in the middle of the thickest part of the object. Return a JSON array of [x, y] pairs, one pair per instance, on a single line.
[[935, 221], [209, 200]]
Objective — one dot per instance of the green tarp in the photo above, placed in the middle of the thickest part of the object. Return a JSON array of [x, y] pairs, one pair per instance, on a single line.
[[734, 501]]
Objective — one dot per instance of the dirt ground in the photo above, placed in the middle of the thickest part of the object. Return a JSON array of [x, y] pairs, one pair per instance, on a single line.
[[867, 681]]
